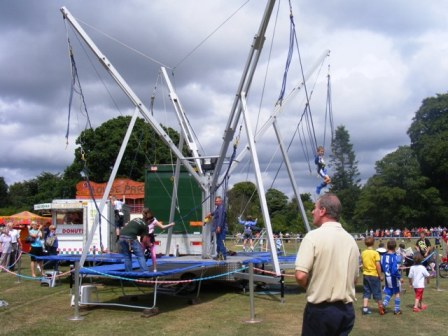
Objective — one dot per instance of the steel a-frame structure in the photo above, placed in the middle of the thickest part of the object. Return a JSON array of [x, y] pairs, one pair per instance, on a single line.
[[206, 180]]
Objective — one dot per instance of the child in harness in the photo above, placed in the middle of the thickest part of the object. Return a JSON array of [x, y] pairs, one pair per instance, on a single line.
[[321, 169], [249, 225]]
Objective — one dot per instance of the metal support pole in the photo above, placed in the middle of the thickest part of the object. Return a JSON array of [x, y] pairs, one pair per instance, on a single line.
[[108, 188], [251, 295], [72, 267], [292, 179], [207, 246], [76, 316], [259, 183], [437, 268], [282, 287]]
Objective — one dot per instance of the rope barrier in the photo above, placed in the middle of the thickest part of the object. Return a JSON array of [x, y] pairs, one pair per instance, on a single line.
[[63, 274], [59, 275], [19, 275], [17, 259], [273, 273]]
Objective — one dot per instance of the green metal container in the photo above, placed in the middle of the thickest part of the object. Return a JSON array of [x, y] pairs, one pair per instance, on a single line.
[[159, 181]]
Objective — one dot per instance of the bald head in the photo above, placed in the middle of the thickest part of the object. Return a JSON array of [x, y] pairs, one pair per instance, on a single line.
[[332, 204], [327, 208]]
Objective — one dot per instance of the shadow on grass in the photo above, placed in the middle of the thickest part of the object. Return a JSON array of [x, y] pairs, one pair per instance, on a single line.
[[118, 297]]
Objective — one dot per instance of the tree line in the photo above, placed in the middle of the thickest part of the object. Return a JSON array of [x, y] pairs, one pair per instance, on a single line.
[[408, 189]]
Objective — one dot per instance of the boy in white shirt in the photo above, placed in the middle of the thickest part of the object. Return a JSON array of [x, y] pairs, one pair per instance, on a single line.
[[417, 276]]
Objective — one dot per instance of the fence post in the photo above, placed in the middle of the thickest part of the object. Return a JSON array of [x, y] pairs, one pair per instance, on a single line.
[[251, 295], [76, 316], [437, 268]]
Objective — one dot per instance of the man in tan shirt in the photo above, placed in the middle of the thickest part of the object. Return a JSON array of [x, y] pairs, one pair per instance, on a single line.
[[327, 266]]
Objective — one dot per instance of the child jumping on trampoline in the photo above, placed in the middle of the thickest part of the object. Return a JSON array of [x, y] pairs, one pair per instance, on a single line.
[[148, 240], [321, 170], [249, 225]]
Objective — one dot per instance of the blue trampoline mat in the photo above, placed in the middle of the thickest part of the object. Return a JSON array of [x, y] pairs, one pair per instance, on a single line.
[[105, 257], [112, 264], [166, 267]]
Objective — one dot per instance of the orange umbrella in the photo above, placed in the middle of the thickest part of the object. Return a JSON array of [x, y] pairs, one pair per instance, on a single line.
[[26, 217], [20, 221]]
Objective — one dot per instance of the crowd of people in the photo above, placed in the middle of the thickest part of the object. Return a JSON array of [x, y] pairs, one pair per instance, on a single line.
[[391, 262], [329, 263], [134, 238], [435, 232], [41, 238], [10, 246]]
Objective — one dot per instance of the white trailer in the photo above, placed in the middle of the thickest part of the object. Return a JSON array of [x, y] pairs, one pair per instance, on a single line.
[[180, 244], [74, 218]]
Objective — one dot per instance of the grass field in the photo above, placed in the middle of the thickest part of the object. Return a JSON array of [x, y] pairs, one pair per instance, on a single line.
[[222, 310]]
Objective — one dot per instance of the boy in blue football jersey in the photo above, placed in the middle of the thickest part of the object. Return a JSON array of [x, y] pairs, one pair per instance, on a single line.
[[392, 276]]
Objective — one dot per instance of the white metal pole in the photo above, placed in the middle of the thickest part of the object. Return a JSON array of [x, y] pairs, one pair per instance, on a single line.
[[109, 184], [291, 176], [174, 197], [244, 86], [260, 186], [131, 95]]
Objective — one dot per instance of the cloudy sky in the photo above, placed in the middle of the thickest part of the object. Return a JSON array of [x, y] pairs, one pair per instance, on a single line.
[[386, 57]]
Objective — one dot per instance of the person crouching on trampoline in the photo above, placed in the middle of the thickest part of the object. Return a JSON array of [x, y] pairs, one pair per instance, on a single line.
[[128, 242], [148, 240], [249, 224], [321, 170]]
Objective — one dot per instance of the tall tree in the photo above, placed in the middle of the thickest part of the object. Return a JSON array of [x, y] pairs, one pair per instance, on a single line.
[[429, 140], [277, 203], [243, 201], [4, 196], [21, 194], [398, 195], [98, 150], [345, 175], [49, 187], [42, 189], [294, 221]]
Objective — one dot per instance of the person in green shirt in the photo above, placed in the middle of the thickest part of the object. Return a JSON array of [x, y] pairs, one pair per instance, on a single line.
[[128, 242]]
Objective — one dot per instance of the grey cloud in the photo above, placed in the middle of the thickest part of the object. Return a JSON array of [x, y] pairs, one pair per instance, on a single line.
[[379, 79], [398, 18]]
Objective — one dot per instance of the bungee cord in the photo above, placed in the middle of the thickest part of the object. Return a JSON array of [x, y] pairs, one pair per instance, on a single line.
[[75, 88]]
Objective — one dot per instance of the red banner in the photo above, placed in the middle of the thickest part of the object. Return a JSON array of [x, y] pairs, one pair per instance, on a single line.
[[121, 189]]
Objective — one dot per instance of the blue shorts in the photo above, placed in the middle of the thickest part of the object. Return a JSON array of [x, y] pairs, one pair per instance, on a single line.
[[392, 290], [372, 287]]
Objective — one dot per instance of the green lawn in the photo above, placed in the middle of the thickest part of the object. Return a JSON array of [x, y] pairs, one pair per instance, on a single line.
[[223, 310]]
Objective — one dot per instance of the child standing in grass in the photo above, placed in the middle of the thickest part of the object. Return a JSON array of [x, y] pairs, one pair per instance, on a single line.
[[392, 276], [371, 270], [417, 276]]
